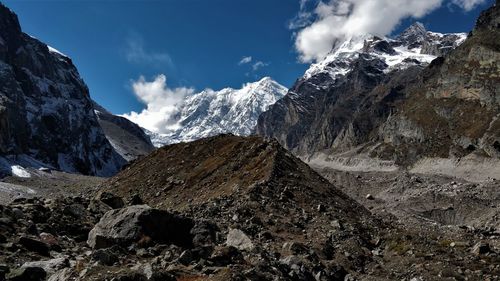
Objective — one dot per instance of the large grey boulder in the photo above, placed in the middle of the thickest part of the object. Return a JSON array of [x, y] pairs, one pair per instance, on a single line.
[[140, 223]]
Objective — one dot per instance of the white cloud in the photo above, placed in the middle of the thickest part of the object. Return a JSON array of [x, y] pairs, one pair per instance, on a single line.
[[339, 19], [245, 60], [259, 64], [468, 5], [135, 52], [303, 17], [162, 103], [255, 64]]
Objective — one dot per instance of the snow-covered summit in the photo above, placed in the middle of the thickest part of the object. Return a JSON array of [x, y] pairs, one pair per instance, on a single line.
[[415, 45], [229, 110]]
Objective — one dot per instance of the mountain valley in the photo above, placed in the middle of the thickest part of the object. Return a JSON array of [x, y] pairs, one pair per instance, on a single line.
[[382, 162]]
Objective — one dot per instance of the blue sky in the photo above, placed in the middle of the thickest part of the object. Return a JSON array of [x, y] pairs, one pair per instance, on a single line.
[[195, 43]]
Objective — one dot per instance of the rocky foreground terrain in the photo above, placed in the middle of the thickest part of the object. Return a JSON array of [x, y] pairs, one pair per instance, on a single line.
[[234, 208]]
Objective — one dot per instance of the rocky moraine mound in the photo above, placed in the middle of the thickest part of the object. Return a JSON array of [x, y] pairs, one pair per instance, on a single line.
[[225, 208]]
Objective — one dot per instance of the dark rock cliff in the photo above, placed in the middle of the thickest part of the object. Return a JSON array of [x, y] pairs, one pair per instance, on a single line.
[[46, 113]]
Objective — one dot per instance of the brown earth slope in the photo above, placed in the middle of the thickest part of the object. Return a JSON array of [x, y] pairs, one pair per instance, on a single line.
[[254, 185]]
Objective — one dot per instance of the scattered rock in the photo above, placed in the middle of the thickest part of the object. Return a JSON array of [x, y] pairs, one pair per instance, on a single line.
[[27, 274], [239, 240]]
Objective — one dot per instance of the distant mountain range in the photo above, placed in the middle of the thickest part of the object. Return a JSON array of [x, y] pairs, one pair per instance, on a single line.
[[211, 113], [373, 103]]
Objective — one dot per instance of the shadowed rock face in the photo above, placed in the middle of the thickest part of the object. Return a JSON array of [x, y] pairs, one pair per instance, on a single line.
[[126, 137], [45, 108], [453, 109], [448, 109]]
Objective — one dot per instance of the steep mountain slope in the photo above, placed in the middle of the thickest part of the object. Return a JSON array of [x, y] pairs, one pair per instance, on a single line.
[[452, 112], [210, 113], [126, 137], [346, 106], [45, 109]]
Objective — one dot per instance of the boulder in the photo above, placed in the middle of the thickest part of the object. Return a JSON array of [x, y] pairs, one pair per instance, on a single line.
[[134, 223], [239, 240]]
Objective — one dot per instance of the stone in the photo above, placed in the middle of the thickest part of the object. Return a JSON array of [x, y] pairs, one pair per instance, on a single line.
[[61, 275], [98, 207], [27, 274], [49, 266], [34, 245], [223, 256], [50, 240], [75, 210], [297, 248], [4, 269], [186, 257], [135, 200], [369, 197], [135, 223], [481, 248], [204, 233], [105, 256], [111, 200], [239, 240], [321, 208], [45, 170]]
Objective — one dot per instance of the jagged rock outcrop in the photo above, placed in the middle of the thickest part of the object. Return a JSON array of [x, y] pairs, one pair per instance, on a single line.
[[46, 112], [126, 137]]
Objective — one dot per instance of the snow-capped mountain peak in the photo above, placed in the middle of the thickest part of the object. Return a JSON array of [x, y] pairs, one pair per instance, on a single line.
[[228, 110], [415, 45], [415, 33]]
